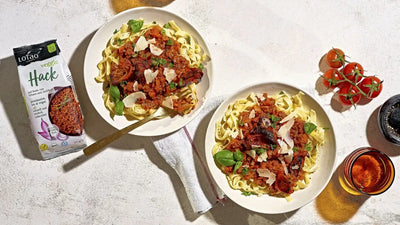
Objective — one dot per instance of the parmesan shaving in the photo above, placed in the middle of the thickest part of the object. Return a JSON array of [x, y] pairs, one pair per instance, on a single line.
[[149, 75], [263, 157], [260, 96], [288, 117], [284, 129], [135, 86], [130, 100], [252, 114], [268, 174], [251, 153], [168, 102], [155, 50], [169, 74], [141, 44]]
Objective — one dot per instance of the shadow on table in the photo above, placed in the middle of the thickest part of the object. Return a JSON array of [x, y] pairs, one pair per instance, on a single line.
[[14, 107], [376, 138], [335, 205], [122, 5]]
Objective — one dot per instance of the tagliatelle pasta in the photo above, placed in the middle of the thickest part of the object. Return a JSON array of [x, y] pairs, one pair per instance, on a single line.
[[268, 144], [146, 66]]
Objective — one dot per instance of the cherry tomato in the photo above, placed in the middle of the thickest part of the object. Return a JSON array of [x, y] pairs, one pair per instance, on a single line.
[[349, 94], [372, 86], [353, 71], [335, 58], [331, 78]]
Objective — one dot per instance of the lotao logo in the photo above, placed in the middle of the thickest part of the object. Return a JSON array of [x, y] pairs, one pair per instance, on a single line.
[[28, 57]]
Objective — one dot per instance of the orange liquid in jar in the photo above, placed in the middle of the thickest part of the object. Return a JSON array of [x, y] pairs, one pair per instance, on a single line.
[[366, 171]]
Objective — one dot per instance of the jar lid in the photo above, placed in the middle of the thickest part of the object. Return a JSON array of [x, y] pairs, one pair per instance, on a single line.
[[389, 119]]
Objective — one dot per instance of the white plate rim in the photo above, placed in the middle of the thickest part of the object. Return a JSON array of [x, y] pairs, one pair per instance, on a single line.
[[93, 56], [268, 204]]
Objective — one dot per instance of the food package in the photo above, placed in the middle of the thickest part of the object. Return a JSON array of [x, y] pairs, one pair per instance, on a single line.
[[50, 97]]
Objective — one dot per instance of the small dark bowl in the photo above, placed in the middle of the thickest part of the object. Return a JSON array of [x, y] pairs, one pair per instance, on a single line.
[[389, 119]]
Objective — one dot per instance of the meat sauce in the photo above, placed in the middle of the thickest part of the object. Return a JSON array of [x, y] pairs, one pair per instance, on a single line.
[[285, 181], [132, 65]]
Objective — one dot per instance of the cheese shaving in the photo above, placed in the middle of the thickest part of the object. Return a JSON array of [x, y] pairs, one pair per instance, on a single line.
[[169, 74], [268, 174], [149, 75], [131, 99], [155, 50], [141, 44]]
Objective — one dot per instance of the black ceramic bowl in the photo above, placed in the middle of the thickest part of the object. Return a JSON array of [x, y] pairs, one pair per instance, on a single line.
[[389, 119]]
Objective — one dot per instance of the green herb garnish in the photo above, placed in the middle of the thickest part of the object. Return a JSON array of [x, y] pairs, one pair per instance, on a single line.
[[225, 157], [167, 26], [238, 164], [228, 158], [308, 146], [162, 31], [157, 61], [170, 42], [247, 193], [309, 127], [120, 41], [180, 82], [295, 149], [172, 85], [201, 66], [245, 170], [123, 83], [135, 25], [119, 107], [260, 151], [170, 65], [115, 31], [272, 146], [114, 92], [240, 123]]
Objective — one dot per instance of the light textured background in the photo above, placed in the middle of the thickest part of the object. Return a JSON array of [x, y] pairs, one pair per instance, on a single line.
[[250, 42]]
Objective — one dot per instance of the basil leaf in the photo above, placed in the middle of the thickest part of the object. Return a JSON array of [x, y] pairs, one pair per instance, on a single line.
[[238, 156], [308, 146], [114, 92], [170, 42], [166, 25], [135, 25], [119, 107], [237, 166], [172, 85], [225, 157], [260, 150], [247, 193], [309, 127], [274, 118], [245, 170]]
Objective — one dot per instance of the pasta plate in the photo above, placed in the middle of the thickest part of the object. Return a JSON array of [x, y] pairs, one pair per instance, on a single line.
[[266, 203], [94, 56]]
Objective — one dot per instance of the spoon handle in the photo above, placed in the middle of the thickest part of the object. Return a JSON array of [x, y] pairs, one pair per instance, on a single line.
[[96, 146]]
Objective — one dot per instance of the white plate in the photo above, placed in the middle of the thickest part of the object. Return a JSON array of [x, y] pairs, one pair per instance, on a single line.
[[93, 57], [266, 203]]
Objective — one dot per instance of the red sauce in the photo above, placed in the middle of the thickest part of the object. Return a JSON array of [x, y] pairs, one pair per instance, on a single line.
[[284, 183], [132, 65]]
